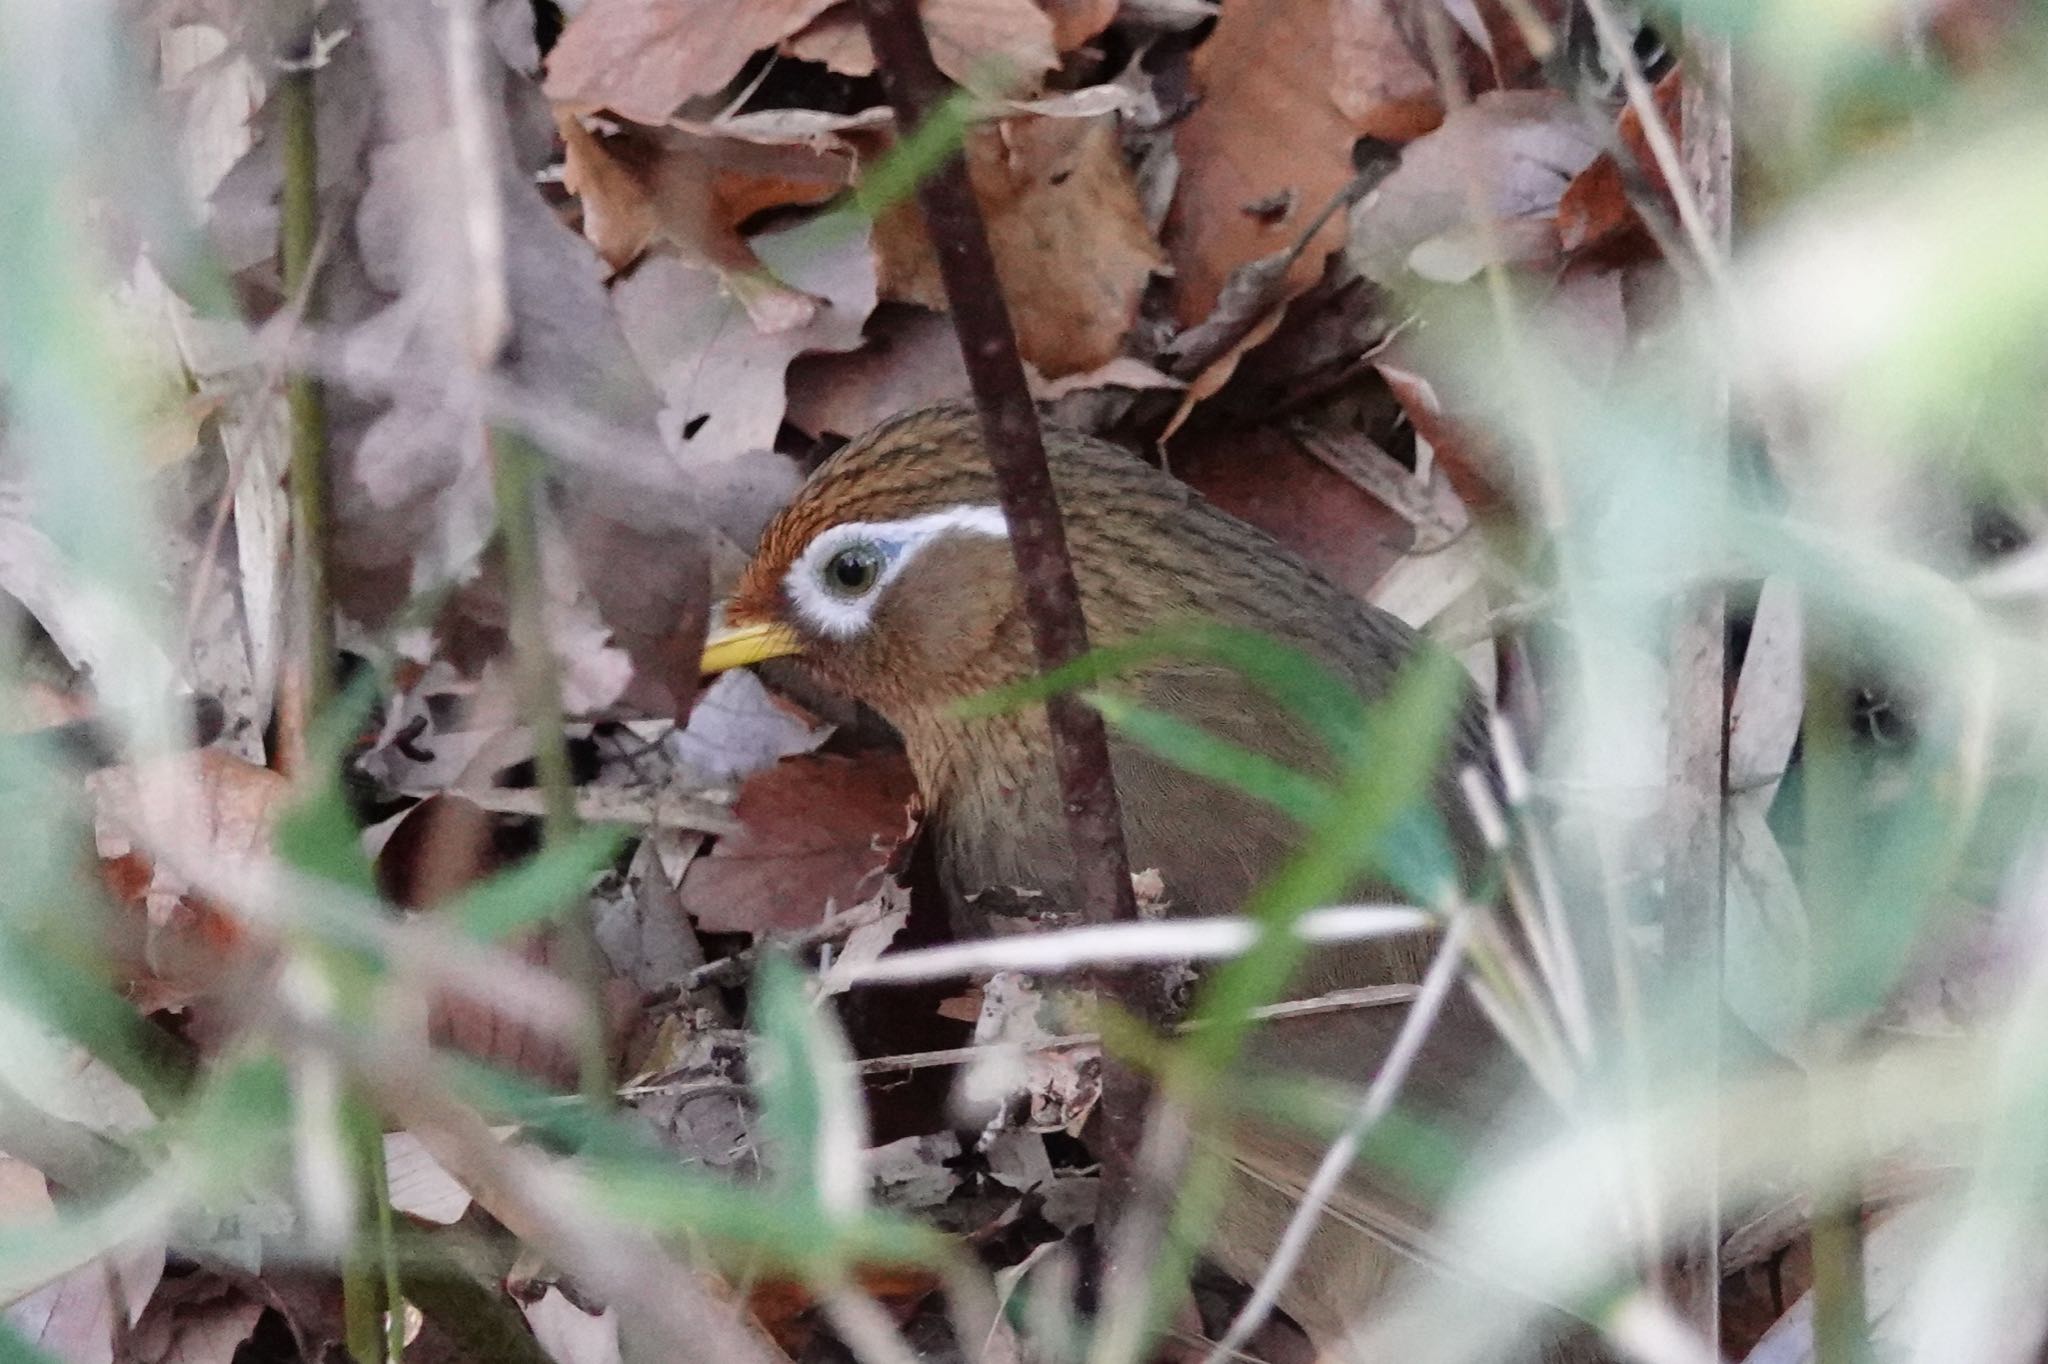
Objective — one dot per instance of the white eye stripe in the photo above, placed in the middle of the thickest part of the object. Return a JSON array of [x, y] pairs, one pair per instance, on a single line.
[[896, 543]]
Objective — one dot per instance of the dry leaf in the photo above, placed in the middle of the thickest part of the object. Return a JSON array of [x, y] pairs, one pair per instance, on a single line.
[[815, 834], [1005, 45], [912, 357], [1267, 67], [72, 1317], [1517, 149], [1072, 249], [911, 1173], [194, 1319], [1594, 213], [865, 945], [1380, 78], [420, 1186], [721, 376], [1016, 1080], [838, 39], [690, 189], [738, 727], [644, 58], [1476, 464], [1074, 22], [177, 946]]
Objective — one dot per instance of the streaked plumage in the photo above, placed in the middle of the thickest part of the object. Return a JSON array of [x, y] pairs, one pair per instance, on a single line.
[[1147, 550]]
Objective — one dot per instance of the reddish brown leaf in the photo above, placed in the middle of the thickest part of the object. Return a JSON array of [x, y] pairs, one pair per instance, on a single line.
[[688, 189], [172, 946], [1594, 214], [1267, 130], [815, 833], [643, 58], [787, 1308], [1470, 456]]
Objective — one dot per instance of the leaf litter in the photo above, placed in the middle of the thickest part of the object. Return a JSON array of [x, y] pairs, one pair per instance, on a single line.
[[691, 293]]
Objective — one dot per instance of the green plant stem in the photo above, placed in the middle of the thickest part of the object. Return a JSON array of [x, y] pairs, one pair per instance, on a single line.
[[387, 1255], [516, 469], [364, 1305], [369, 1297], [1839, 1311], [299, 234], [1831, 800]]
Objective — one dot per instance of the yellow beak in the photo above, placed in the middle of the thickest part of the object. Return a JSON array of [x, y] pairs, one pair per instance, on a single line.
[[736, 646]]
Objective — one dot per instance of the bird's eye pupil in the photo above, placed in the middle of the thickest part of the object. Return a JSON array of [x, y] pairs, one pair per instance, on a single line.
[[853, 571]]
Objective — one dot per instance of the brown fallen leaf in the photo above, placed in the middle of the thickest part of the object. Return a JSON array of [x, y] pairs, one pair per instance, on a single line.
[[173, 946], [1268, 67], [1071, 245], [1478, 466], [986, 45], [643, 58], [815, 834], [193, 1319], [693, 191], [991, 45]]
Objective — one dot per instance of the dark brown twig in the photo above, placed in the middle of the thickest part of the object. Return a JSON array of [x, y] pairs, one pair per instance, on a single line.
[[1052, 601]]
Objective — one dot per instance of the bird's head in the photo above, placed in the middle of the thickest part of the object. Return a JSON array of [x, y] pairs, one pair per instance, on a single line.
[[889, 576]]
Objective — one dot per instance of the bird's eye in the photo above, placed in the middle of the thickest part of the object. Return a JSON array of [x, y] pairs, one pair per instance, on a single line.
[[853, 571]]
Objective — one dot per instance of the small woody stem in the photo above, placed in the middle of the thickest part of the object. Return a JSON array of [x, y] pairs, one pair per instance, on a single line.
[[1052, 601]]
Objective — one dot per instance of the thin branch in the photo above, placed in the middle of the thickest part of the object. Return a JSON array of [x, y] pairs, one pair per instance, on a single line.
[[1162, 940], [1052, 599], [299, 232]]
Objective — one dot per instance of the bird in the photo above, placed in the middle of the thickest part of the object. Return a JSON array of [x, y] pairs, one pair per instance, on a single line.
[[888, 577]]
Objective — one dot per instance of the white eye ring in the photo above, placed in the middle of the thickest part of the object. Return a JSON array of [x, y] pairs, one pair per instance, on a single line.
[[840, 608]]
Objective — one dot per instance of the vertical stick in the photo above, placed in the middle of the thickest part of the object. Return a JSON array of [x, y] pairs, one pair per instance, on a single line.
[[516, 473], [1699, 710], [299, 230], [365, 1305], [1052, 601]]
